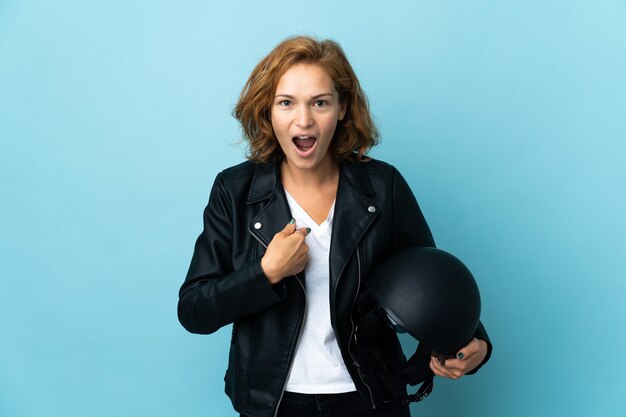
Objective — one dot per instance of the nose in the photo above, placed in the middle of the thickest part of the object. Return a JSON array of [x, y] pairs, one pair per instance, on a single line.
[[304, 117]]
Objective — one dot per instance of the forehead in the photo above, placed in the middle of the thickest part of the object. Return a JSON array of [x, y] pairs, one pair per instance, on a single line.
[[305, 78]]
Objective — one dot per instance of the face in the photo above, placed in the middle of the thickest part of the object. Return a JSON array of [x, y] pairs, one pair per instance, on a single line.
[[305, 112]]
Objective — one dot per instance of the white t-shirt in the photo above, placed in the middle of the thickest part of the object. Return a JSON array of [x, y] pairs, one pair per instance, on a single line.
[[318, 367]]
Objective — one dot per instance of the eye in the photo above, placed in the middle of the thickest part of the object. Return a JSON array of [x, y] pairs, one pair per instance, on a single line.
[[284, 103], [321, 103]]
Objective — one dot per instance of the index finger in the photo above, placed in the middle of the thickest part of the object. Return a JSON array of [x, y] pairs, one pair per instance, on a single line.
[[304, 230], [289, 228]]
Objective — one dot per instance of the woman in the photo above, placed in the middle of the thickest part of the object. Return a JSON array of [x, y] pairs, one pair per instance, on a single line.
[[290, 237]]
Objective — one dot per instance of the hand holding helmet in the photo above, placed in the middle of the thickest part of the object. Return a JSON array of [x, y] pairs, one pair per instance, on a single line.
[[468, 358]]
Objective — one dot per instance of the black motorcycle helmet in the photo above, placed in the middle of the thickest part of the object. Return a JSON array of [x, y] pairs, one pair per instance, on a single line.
[[431, 295]]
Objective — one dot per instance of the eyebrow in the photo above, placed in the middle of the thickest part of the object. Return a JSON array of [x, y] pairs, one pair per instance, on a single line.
[[312, 98]]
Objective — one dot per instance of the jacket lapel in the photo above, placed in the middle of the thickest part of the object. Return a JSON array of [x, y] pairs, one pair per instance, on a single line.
[[355, 212], [275, 215]]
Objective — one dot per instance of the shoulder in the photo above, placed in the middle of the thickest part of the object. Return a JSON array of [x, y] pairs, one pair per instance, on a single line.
[[373, 169], [248, 181], [371, 177], [244, 169], [232, 181], [376, 166]]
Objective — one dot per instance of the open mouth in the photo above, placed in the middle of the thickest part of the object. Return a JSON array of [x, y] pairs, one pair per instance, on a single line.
[[304, 143]]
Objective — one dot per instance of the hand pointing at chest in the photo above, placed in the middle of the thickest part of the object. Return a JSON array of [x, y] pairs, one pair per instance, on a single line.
[[286, 254]]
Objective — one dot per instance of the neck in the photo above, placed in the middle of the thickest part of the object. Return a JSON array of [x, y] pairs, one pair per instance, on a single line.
[[323, 175]]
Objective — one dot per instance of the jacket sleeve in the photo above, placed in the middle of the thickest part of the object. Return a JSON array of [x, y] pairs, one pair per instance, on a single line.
[[214, 293], [409, 226], [481, 334], [411, 229]]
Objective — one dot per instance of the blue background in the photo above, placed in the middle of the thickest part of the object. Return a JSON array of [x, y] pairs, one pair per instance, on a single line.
[[508, 119]]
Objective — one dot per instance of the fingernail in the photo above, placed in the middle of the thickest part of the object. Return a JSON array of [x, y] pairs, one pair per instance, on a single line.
[[308, 230], [292, 221], [460, 355]]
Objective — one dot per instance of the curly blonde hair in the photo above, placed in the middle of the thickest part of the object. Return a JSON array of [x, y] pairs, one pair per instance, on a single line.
[[354, 135]]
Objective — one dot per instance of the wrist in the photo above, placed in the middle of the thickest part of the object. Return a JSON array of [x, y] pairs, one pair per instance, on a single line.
[[272, 276]]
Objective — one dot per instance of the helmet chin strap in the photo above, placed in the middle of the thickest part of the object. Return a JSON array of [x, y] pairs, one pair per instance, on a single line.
[[424, 391], [417, 370], [374, 320]]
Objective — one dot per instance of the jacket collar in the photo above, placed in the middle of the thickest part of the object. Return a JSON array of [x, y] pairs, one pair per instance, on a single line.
[[267, 179], [264, 182]]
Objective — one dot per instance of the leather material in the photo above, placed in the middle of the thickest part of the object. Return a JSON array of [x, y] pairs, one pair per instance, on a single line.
[[376, 215]]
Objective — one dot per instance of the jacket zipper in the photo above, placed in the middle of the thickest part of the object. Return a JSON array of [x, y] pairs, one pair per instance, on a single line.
[[354, 361], [282, 392]]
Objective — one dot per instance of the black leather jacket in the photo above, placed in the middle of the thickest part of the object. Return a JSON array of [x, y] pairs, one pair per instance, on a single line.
[[375, 215]]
